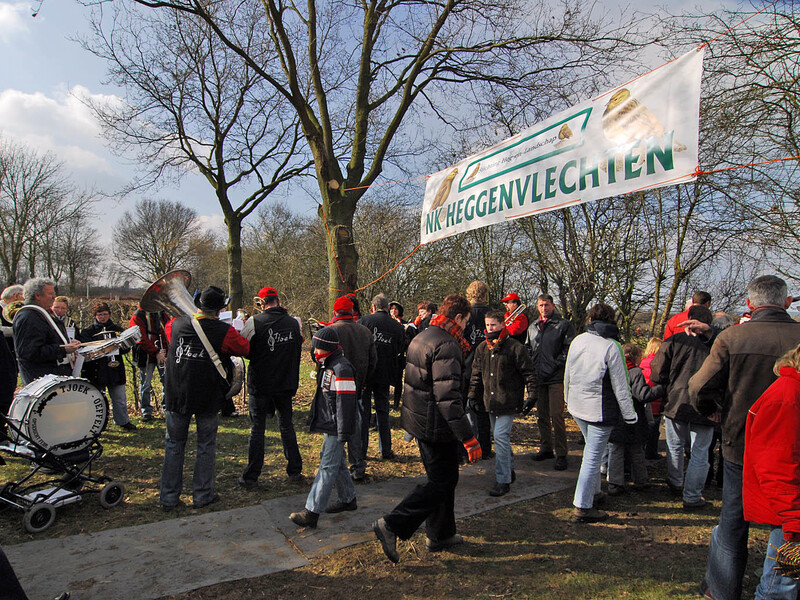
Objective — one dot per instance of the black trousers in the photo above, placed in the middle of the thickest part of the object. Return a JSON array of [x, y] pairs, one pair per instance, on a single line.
[[434, 501], [262, 407], [10, 589]]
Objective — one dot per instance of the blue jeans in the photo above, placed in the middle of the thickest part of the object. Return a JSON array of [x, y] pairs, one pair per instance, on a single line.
[[700, 437], [774, 585], [175, 452], [146, 386], [119, 404], [504, 455], [332, 470], [381, 394], [596, 437], [727, 551]]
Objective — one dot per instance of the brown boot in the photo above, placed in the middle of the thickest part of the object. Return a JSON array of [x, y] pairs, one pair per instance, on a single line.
[[305, 518], [589, 515]]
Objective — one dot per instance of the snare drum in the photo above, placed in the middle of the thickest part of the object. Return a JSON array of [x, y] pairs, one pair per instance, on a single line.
[[57, 410], [126, 340]]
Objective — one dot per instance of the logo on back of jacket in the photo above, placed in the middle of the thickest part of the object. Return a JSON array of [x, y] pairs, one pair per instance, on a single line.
[[380, 337], [278, 337], [189, 350]]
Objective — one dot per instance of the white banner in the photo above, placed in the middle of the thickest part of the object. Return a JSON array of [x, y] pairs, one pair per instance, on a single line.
[[638, 136]]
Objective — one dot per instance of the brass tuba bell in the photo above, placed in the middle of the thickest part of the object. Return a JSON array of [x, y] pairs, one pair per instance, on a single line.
[[170, 293]]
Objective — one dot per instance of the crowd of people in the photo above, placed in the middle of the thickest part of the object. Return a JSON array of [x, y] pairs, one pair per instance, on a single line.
[[461, 372]]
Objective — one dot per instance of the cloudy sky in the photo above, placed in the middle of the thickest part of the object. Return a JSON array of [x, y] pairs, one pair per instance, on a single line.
[[43, 76]]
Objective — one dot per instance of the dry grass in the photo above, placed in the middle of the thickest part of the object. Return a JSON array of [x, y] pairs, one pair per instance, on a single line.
[[649, 549]]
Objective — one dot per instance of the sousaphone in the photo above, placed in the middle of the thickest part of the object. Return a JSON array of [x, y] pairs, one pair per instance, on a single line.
[[171, 294]]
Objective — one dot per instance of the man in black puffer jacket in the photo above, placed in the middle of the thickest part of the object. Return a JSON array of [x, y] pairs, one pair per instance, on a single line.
[[272, 380], [433, 412]]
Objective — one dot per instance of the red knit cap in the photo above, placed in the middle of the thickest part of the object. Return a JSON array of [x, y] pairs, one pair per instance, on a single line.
[[343, 305]]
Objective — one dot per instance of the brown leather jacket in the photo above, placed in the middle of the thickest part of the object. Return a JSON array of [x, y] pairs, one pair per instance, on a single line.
[[739, 370]]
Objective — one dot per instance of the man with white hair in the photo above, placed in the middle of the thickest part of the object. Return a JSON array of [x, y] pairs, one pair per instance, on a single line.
[[732, 378], [41, 342]]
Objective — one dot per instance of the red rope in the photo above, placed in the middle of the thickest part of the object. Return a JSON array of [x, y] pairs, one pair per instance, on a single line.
[[755, 164], [400, 262], [727, 31]]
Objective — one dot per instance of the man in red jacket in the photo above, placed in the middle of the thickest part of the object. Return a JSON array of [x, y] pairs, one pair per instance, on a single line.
[[698, 298]]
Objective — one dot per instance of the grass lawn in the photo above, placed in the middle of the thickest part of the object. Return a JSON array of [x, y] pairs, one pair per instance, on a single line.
[[650, 548]]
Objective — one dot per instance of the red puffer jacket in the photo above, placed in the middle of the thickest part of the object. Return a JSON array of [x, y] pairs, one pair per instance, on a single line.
[[771, 477]]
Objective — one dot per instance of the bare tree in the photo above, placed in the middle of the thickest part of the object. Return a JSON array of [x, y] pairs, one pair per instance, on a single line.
[[36, 197], [356, 72], [158, 236], [192, 104]]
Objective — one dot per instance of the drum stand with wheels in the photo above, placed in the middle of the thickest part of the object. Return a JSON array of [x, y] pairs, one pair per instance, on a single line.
[[72, 479]]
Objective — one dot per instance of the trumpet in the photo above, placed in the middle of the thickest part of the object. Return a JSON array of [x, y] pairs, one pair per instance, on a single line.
[[517, 312]]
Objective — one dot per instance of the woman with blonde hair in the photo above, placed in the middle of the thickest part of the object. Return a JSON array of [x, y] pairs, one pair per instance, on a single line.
[[654, 408]]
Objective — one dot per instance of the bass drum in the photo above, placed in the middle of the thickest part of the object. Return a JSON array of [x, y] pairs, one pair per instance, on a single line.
[[237, 377], [57, 413]]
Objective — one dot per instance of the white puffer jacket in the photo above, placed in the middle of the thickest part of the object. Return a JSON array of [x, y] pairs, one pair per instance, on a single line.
[[596, 378]]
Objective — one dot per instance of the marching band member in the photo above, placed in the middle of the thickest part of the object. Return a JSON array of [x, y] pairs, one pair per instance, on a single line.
[[60, 311], [41, 342], [516, 321], [107, 372]]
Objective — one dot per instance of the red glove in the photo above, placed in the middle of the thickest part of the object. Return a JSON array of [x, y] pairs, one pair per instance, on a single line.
[[473, 448]]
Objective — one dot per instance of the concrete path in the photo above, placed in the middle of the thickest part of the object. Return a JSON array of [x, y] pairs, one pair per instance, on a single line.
[[170, 557]]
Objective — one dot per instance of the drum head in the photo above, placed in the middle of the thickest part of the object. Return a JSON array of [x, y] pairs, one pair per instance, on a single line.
[[60, 411]]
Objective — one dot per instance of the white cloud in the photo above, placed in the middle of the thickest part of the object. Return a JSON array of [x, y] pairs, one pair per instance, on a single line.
[[61, 123], [213, 223], [12, 21]]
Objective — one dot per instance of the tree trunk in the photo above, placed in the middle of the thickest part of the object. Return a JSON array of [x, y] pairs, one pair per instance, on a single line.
[[234, 251], [337, 211]]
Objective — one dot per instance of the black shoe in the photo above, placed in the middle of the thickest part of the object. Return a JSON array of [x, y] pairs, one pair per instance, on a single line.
[[213, 500], [147, 418], [389, 455], [561, 463], [387, 538], [129, 426], [247, 483], [432, 546], [305, 518], [599, 499], [171, 507], [675, 490], [62, 596], [296, 478], [699, 505], [500, 489], [543, 455], [615, 490], [340, 506]]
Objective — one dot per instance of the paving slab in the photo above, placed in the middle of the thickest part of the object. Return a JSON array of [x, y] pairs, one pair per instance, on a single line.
[[170, 557]]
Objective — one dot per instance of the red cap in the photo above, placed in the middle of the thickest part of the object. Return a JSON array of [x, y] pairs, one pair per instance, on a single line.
[[511, 297], [343, 305], [267, 292]]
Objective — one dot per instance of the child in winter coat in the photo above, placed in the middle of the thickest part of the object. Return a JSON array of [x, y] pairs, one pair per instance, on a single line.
[[629, 438], [333, 413], [501, 372]]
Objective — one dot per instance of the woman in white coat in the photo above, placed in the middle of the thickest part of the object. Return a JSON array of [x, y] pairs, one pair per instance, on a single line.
[[598, 397]]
